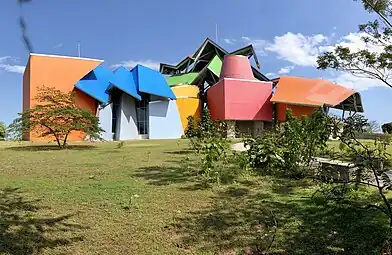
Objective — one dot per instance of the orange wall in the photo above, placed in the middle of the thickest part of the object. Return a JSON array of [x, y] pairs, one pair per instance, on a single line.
[[61, 73], [26, 93], [298, 111]]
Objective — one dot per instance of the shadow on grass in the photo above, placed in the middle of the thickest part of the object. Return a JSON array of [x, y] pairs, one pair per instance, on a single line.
[[180, 152], [165, 175], [284, 186], [241, 219], [50, 148], [21, 232]]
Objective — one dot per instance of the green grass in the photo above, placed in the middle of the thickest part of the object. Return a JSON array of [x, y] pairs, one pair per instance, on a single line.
[[146, 198]]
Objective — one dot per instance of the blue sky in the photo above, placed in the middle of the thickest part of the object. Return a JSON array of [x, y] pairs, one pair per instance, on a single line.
[[288, 36]]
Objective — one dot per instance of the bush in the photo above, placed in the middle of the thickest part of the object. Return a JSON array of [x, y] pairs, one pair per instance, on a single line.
[[387, 128], [3, 131], [265, 152], [208, 139], [206, 127], [290, 149]]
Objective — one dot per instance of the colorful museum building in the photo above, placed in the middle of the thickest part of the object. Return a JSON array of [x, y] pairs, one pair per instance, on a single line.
[[142, 103]]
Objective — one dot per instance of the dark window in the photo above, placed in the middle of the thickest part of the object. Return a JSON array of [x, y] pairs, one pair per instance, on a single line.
[[115, 98], [142, 115]]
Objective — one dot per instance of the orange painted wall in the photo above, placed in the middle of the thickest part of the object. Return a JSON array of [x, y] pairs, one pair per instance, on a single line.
[[26, 93], [61, 73], [298, 111], [187, 102]]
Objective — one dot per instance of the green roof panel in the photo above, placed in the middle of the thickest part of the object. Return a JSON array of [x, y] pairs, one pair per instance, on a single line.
[[215, 65], [186, 78]]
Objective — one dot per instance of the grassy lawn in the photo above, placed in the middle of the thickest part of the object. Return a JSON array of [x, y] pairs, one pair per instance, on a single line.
[[144, 199]]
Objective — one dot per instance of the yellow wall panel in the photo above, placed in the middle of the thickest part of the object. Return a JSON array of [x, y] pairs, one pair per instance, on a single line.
[[187, 102]]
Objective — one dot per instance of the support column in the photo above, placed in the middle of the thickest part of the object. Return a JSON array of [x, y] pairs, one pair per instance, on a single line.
[[230, 128], [258, 127]]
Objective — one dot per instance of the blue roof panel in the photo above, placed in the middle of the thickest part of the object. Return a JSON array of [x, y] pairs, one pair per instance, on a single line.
[[94, 88], [152, 82], [95, 83], [124, 80]]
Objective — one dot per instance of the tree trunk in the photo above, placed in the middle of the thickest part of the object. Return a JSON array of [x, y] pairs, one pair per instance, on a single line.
[[65, 140], [58, 142]]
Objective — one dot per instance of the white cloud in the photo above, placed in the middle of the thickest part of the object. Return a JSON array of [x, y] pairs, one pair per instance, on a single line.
[[271, 75], [229, 41], [8, 64], [297, 48], [286, 69], [303, 50], [58, 45], [258, 44], [132, 63], [354, 42], [353, 82]]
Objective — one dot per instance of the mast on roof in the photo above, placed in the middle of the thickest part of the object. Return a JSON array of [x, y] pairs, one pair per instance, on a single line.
[[216, 32], [78, 49]]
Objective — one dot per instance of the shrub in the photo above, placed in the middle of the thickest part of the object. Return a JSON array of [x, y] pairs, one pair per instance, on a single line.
[[265, 152], [288, 150], [387, 128], [3, 131], [206, 127]]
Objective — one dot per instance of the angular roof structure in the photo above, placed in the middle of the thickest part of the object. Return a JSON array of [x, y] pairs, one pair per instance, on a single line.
[[187, 78], [316, 92], [99, 82], [207, 62], [95, 83], [125, 81], [152, 82]]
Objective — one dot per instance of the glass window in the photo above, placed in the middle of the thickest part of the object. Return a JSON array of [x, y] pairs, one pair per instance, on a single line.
[[142, 115]]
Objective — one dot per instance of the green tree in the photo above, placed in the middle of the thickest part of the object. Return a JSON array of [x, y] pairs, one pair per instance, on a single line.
[[375, 61], [387, 128], [371, 161], [289, 150], [56, 114], [3, 130]]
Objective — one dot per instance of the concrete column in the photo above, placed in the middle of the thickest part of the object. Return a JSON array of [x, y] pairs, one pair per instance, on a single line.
[[104, 113], [258, 127], [126, 119], [230, 128]]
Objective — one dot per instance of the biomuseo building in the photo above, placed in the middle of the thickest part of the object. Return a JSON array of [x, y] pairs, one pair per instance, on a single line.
[[142, 103]]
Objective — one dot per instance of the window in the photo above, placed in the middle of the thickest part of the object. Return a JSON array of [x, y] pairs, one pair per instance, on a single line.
[[142, 115], [115, 99]]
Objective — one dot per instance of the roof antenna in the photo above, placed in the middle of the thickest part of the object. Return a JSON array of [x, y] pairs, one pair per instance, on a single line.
[[79, 49], [216, 32]]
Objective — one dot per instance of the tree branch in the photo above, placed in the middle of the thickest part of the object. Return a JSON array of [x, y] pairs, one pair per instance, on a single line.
[[385, 19]]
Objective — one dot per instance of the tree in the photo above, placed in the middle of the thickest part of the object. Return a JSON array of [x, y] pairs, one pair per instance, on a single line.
[[290, 149], [373, 127], [370, 161], [3, 130], [56, 114], [387, 128], [375, 61]]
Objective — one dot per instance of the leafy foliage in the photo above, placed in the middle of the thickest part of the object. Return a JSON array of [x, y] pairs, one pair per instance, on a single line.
[[373, 127], [3, 130], [208, 140], [288, 149], [387, 128], [56, 114], [369, 159], [191, 130], [204, 130], [366, 62]]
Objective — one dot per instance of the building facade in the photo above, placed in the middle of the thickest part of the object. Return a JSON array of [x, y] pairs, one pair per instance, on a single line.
[[147, 104]]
